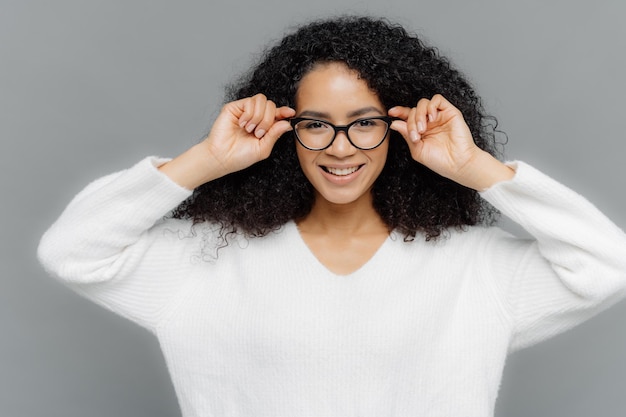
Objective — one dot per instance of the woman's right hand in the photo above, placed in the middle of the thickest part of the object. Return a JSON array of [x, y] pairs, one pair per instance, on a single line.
[[243, 134]]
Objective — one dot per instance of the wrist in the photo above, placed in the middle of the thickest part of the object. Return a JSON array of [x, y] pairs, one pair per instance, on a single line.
[[193, 167], [484, 171]]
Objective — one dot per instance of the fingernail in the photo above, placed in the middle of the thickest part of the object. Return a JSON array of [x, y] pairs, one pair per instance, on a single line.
[[250, 127], [242, 123], [414, 136], [259, 133], [431, 117], [420, 127]]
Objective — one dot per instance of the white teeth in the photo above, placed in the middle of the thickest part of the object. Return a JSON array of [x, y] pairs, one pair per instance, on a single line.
[[342, 171]]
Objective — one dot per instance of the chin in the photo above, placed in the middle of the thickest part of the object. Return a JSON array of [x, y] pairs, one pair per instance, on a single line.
[[344, 198]]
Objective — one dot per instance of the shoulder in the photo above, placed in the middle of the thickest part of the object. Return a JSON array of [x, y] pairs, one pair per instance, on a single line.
[[210, 241], [457, 236], [469, 244]]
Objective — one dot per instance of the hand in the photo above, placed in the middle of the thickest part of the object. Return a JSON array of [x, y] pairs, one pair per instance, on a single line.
[[244, 133], [439, 138], [437, 135]]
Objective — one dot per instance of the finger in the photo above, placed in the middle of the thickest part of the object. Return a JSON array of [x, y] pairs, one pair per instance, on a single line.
[[253, 110], [415, 120], [413, 125], [284, 112], [400, 127], [258, 112], [272, 115], [399, 111], [437, 103], [247, 111], [267, 121], [422, 114], [268, 141]]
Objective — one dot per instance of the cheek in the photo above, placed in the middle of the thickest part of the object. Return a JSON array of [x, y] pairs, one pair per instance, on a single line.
[[380, 158]]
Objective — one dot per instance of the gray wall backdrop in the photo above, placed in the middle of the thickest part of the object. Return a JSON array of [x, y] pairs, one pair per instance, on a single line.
[[90, 87]]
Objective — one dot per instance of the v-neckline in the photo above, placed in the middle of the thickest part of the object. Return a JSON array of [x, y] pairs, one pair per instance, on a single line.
[[370, 263]]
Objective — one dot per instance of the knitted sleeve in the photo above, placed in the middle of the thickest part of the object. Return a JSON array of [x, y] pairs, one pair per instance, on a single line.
[[575, 268], [112, 244]]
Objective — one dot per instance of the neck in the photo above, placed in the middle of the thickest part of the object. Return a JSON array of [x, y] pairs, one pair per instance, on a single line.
[[356, 218]]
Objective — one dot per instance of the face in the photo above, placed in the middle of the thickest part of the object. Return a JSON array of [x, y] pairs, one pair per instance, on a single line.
[[341, 173]]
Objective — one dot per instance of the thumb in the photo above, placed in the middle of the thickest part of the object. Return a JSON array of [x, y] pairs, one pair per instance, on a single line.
[[400, 112], [284, 112], [270, 138], [400, 126]]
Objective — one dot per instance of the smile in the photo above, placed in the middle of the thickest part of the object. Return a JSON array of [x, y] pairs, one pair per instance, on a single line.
[[342, 172]]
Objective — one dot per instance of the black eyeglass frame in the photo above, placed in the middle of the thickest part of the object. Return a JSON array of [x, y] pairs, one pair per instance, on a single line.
[[387, 119]]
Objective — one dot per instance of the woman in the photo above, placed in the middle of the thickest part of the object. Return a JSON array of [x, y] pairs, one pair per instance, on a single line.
[[326, 249]]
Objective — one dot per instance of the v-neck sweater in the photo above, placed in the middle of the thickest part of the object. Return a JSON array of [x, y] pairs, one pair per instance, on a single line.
[[260, 327]]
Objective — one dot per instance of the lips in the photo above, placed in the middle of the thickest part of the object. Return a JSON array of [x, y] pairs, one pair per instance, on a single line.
[[341, 172]]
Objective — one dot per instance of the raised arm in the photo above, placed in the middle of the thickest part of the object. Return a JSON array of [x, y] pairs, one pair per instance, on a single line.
[[439, 138], [244, 133], [577, 265], [112, 243]]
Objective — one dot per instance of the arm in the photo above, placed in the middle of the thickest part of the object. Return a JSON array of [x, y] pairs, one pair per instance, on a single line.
[[112, 244], [244, 133], [575, 268], [577, 264], [439, 138], [111, 234]]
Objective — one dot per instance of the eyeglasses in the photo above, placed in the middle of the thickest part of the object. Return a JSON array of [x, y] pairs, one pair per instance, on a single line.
[[365, 134]]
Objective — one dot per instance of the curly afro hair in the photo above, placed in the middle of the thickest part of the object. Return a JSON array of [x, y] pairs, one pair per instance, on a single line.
[[401, 69]]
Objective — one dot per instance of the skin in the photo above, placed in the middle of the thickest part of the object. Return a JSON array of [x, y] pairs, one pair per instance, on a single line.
[[342, 219]]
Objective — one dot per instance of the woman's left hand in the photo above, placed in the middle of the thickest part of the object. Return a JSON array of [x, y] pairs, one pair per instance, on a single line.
[[439, 138]]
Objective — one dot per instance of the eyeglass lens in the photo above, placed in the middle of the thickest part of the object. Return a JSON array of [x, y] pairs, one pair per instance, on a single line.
[[363, 133]]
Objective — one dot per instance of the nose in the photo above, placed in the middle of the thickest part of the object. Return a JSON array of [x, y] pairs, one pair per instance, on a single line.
[[341, 146]]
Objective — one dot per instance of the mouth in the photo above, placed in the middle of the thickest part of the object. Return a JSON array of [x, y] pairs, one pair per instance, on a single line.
[[341, 172]]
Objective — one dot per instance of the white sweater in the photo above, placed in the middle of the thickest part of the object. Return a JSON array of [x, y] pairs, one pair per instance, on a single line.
[[261, 328]]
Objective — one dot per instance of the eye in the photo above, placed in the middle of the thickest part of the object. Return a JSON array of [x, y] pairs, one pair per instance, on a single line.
[[366, 125], [314, 125], [367, 122]]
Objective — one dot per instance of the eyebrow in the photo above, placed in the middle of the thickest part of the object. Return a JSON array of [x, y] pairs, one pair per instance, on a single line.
[[355, 113]]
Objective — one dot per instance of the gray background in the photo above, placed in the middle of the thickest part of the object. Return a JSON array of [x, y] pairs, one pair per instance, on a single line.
[[89, 87]]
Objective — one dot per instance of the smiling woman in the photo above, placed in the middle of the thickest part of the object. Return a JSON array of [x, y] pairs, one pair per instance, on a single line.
[[342, 173], [341, 205], [409, 196]]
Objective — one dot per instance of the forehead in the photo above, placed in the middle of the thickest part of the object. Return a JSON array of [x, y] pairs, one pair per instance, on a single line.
[[332, 87]]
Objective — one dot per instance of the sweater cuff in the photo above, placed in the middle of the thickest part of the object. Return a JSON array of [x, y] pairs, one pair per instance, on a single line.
[[158, 189], [539, 203], [528, 189]]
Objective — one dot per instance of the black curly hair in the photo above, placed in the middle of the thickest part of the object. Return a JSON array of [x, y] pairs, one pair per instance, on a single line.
[[401, 69]]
